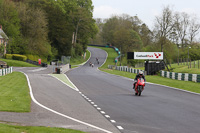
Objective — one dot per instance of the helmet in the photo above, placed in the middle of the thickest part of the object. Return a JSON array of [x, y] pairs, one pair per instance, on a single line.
[[141, 73]]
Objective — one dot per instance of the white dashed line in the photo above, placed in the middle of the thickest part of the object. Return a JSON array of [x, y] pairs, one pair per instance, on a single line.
[[89, 100], [113, 121], [102, 112], [92, 102], [99, 108], [95, 105], [121, 128], [68, 117], [107, 116]]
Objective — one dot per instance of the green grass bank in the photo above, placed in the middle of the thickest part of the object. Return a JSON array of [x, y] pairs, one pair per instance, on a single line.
[[14, 93], [5, 128], [17, 63]]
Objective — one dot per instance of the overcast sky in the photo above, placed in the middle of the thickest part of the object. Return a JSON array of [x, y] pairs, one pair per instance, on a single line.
[[146, 10]]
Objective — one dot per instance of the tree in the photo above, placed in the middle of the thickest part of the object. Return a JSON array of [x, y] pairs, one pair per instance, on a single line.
[[194, 27], [11, 25], [34, 30], [164, 25], [181, 26]]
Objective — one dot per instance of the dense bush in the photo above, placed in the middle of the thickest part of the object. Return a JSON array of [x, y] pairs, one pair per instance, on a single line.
[[36, 57], [9, 56], [19, 57]]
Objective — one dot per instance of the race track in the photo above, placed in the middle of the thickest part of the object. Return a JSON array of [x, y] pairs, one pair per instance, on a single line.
[[158, 110]]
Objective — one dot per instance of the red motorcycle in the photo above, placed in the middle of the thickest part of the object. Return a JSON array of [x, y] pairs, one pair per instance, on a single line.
[[139, 86]]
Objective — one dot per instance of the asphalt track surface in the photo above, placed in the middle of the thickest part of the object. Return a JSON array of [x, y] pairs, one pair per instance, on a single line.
[[159, 109], [53, 94]]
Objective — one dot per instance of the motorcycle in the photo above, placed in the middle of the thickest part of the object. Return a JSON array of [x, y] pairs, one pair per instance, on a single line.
[[139, 86]]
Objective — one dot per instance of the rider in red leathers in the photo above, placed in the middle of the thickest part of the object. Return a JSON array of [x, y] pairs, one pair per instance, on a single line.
[[140, 75]]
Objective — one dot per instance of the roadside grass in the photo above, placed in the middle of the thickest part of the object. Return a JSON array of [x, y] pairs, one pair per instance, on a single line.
[[17, 63], [14, 93], [5, 128], [76, 61], [185, 85], [63, 78], [183, 68]]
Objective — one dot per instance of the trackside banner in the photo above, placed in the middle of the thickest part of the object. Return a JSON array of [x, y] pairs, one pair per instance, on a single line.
[[148, 55]]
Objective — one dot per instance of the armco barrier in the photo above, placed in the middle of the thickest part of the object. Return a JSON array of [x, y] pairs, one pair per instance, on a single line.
[[181, 76], [5, 71], [125, 68]]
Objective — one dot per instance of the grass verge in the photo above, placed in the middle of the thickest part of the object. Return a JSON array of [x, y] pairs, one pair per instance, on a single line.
[[63, 78], [76, 61], [14, 93], [185, 85], [17, 63], [183, 68], [4, 128]]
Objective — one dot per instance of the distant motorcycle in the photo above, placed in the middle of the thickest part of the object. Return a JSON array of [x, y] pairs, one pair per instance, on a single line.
[[139, 87]]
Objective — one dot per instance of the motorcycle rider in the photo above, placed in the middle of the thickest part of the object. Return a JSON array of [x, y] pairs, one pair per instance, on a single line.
[[139, 75]]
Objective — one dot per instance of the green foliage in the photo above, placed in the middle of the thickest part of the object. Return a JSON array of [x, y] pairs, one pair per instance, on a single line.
[[16, 57], [9, 56], [19, 57], [6, 128], [36, 57], [11, 24], [79, 49]]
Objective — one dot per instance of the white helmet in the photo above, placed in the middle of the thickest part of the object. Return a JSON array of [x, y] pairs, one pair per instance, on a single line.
[[141, 73]]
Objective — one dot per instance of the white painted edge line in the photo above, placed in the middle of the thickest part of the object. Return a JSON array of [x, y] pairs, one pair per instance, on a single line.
[[35, 101], [113, 121], [64, 83], [71, 82], [82, 63], [107, 116], [121, 128], [37, 70], [154, 84], [106, 58], [174, 88], [102, 112]]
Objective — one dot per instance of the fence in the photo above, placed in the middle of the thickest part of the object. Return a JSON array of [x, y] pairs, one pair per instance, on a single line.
[[181, 76], [126, 69], [5, 71], [188, 62]]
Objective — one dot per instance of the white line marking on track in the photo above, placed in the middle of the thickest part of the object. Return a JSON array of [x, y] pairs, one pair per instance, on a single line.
[[107, 116], [102, 112], [152, 83], [99, 108], [68, 117], [92, 102], [76, 89], [95, 105], [36, 70], [71, 82], [121, 128], [113, 121]]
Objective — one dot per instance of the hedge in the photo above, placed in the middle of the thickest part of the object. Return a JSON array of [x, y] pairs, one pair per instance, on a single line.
[[9, 56], [16, 57], [36, 57], [19, 57]]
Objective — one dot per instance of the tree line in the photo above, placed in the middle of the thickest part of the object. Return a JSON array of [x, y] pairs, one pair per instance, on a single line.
[[48, 28], [173, 33]]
